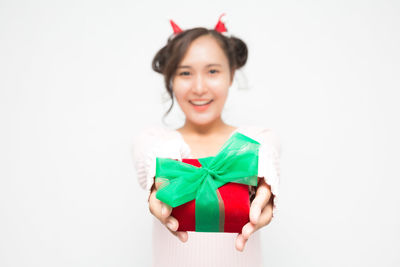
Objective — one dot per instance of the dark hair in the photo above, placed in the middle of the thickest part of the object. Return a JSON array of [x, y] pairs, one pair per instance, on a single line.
[[167, 58]]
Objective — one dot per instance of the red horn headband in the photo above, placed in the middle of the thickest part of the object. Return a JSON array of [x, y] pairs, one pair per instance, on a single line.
[[175, 27], [220, 27]]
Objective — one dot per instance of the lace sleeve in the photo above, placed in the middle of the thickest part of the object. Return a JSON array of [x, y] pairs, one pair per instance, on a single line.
[[269, 162], [150, 144], [143, 152]]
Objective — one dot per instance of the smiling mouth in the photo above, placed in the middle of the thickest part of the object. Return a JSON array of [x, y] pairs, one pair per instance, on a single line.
[[200, 103]]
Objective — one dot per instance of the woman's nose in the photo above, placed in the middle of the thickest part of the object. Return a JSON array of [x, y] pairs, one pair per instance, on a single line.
[[199, 85]]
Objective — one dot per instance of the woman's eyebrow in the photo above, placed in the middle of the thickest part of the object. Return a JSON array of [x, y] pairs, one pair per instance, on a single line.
[[209, 65], [215, 64]]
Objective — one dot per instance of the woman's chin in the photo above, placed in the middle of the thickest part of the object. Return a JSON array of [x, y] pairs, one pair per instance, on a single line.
[[202, 120]]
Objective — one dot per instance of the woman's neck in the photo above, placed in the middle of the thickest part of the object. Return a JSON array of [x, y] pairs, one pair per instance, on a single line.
[[215, 127]]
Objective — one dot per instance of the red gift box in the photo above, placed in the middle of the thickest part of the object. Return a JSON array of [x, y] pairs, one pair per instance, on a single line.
[[235, 207]]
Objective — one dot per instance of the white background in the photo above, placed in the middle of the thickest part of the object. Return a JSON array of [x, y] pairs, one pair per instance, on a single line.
[[76, 86]]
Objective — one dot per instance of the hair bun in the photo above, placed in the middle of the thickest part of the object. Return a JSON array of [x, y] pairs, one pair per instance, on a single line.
[[240, 51], [159, 60]]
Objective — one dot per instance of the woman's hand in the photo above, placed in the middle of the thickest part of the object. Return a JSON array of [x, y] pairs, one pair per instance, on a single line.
[[260, 214], [162, 212]]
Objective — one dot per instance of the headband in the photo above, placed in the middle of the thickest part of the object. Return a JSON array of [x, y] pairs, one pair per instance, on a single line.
[[219, 27]]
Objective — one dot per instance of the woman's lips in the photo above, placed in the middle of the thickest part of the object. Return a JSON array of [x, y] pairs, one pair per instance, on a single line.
[[201, 107]]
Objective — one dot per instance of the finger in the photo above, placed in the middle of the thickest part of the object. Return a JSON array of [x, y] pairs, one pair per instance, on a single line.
[[265, 216], [157, 184], [165, 210], [248, 229], [263, 195], [264, 219], [172, 223], [155, 205], [181, 235], [240, 242], [159, 209]]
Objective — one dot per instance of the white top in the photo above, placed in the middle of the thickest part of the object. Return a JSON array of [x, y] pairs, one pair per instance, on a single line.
[[202, 249]]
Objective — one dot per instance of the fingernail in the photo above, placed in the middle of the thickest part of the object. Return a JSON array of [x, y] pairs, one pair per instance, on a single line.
[[170, 225], [182, 237], [240, 248], [163, 210], [238, 242]]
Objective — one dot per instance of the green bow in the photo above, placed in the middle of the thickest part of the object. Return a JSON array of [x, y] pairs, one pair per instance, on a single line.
[[237, 162]]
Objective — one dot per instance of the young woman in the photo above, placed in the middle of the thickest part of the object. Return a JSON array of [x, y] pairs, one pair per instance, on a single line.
[[198, 66]]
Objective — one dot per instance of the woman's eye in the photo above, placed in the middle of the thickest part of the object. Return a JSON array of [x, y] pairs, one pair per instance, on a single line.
[[213, 71], [184, 73]]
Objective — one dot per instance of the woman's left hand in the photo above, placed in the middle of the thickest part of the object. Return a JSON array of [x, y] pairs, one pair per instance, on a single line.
[[260, 214]]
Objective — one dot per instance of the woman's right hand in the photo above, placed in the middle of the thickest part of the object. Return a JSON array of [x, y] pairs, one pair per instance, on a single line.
[[162, 212]]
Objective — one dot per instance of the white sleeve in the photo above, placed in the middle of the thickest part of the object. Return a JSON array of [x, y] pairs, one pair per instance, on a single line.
[[147, 146], [143, 151], [269, 162]]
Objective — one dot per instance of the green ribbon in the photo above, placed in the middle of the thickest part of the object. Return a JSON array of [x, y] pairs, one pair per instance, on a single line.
[[237, 162]]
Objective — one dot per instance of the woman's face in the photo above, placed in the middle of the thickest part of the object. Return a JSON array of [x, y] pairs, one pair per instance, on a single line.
[[202, 80]]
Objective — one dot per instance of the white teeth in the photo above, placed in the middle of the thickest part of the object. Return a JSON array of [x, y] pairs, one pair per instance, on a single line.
[[200, 103]]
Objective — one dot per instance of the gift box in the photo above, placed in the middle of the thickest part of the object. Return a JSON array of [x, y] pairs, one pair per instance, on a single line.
[[211, 194]]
